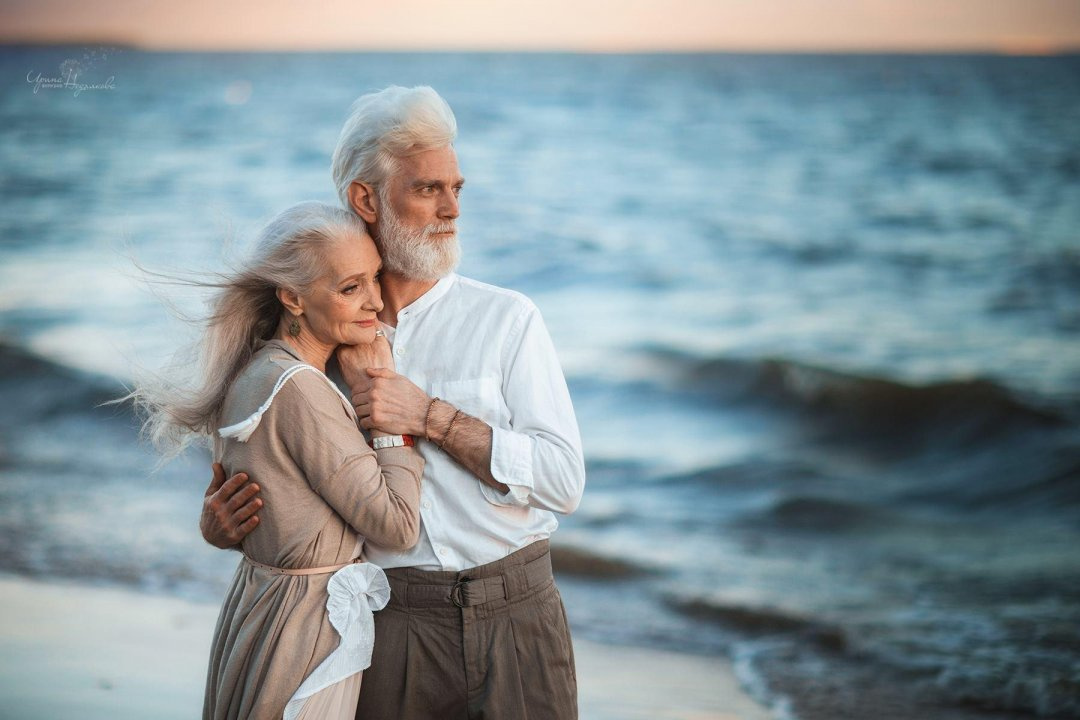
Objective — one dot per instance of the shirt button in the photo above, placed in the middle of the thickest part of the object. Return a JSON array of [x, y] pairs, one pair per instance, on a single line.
[[442, 551], [399, 351], [427, 505]]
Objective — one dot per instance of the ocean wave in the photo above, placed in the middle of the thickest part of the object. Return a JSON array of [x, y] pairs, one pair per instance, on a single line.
[[825, 514], [36, 388], [566, 560], [961, 411], [758, 621], [1041, 683], [895, 449], [1039, 474], [1027, 478], [1021, 677], [754, 473]]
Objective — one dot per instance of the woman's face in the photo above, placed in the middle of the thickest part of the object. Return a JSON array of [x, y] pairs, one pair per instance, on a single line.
[[341, 307]]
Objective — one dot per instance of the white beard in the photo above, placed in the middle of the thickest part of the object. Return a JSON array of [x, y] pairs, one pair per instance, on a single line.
[[416, 254]]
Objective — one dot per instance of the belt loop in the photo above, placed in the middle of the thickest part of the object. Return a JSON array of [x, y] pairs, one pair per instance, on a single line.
[[516, 581], [399, 590]]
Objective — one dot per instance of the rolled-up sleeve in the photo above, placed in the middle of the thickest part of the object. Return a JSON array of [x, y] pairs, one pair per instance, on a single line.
[[539, 456]]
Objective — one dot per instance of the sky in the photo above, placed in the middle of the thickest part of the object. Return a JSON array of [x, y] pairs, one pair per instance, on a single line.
[[1010, 26]]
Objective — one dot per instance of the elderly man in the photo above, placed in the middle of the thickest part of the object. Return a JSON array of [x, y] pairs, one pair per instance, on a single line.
[[475, 627]]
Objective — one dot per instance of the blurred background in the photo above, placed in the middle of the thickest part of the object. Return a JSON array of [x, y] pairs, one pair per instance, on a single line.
[[813, 274]]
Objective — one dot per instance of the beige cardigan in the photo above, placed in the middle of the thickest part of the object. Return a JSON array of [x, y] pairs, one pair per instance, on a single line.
[[324, 490]]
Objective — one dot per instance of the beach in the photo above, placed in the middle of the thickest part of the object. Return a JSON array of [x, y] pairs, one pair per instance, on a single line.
[[77, 651]]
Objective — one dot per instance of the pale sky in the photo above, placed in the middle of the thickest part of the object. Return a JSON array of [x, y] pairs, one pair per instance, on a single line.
[[586, 25]]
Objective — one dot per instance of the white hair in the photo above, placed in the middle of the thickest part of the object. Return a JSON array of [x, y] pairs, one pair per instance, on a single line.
[[186, 402], [385, 125]]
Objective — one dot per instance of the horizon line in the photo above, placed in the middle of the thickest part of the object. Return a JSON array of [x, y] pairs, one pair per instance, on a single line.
[[1020, 50]]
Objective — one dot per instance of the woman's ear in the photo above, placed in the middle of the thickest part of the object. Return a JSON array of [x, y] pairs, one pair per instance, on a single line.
[[362, 200], [293, 303]]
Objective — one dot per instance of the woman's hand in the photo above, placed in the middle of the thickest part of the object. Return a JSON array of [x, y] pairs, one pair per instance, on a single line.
[[356, 359]]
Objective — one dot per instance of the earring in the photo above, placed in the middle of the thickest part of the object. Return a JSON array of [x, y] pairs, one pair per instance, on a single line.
[[294, 327]]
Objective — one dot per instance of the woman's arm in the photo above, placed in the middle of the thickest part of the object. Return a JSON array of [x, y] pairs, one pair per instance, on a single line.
[[376, 492], [380, 501]]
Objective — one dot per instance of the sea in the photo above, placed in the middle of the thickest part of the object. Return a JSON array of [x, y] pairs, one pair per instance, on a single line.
[[819, 315]]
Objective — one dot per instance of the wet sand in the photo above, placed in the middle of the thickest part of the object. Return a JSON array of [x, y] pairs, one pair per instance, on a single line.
[[73, 651]]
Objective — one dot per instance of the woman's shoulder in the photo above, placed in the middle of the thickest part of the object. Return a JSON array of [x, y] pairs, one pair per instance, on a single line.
[[277, 366], [277, 383], [272, 364], [267, 365]]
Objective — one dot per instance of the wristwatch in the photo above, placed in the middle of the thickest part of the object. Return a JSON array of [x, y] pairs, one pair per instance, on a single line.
[[389, 441]]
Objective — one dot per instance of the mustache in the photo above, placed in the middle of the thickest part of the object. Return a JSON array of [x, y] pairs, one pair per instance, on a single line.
[[437, 228]]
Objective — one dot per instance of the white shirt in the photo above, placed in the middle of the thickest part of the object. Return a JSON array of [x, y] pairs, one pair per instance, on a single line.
[[486, 351]]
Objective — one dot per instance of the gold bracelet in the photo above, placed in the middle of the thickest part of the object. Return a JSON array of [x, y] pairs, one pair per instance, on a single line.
[[450, 428], [427, 417]]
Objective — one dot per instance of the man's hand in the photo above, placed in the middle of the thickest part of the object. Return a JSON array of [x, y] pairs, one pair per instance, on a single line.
[[229, 508], [391, 403], [355, 359]]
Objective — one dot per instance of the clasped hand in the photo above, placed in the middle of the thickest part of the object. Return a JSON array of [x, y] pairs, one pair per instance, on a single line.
[[384, 400], [390, 403]]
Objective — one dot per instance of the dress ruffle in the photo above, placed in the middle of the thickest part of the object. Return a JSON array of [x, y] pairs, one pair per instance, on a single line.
[[356, 592]]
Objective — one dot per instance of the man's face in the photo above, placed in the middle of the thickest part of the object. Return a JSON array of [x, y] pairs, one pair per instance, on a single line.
[[417, 209]]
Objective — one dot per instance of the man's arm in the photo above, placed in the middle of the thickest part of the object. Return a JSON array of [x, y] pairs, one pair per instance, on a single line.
[[540, 455], [394, 404], [229, 508], [538, 462]]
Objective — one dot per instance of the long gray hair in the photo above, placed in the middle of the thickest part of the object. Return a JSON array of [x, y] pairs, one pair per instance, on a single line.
[[244, 310]]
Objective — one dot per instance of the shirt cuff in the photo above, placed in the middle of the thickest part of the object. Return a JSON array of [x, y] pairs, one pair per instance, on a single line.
[[511, 464]]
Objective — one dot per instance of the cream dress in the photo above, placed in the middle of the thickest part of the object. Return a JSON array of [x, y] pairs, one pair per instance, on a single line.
[[324, 490]]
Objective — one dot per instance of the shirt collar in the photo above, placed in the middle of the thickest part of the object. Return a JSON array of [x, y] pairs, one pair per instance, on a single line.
[[431, 297]]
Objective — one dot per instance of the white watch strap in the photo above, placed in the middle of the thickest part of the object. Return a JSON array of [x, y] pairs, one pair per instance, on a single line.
[[388, 441]]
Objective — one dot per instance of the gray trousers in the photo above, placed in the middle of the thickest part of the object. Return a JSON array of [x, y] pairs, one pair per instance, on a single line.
[[488, 643]]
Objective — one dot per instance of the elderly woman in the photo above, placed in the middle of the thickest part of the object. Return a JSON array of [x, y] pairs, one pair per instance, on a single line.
[[296, 629]]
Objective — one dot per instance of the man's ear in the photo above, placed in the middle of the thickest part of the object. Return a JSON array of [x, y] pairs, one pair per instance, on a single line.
[[292, 302], [362, 199]]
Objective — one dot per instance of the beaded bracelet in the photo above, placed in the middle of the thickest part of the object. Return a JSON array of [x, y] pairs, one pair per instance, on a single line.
[[427, 417], [450, 428]]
